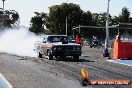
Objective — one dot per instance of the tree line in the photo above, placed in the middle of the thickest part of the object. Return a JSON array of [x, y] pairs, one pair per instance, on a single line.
[[55, 20]]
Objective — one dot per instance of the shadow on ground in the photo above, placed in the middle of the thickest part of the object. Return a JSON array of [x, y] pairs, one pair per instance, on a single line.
[[80, 60]]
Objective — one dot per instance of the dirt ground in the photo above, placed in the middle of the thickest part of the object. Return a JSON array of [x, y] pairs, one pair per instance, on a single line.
[[32, 72]]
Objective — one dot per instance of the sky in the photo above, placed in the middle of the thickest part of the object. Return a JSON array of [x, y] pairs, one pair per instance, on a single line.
[[26, 8]]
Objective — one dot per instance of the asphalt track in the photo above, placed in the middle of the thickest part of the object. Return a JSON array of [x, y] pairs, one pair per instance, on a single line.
[[32, 72]]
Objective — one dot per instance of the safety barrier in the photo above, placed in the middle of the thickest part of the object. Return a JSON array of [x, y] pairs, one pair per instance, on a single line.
[[122, 50]]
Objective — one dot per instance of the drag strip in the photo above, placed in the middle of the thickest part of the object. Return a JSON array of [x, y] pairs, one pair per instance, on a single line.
[[32, 72]]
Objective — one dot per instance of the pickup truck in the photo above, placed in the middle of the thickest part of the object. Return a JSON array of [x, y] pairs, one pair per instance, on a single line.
[[57, 46]]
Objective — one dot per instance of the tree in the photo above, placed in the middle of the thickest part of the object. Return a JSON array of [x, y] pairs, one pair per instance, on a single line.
[[125, 15], [115, 20], [9, 18], [87, 18], [37, 23], [100, 19], [56, 19]]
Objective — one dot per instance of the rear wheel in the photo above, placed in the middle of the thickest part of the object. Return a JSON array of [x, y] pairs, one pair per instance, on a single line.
[[40, 55]]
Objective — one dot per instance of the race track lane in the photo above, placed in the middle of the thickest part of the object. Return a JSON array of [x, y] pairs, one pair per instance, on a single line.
[[29, 72]]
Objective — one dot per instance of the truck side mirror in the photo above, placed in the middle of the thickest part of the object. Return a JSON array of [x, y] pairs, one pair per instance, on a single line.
[[44, 41]]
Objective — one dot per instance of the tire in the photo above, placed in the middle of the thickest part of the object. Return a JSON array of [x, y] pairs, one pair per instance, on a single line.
[[76, 57], [40, 55], [59, 58], [50, 56]]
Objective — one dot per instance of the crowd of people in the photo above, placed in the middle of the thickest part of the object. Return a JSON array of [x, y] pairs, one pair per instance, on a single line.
[[91, 42], [95, 42]]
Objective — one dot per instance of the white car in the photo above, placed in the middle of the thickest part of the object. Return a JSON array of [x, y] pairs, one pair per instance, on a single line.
[[58, 46]]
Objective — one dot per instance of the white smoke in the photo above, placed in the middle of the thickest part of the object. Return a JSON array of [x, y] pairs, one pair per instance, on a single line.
[[18, 41]]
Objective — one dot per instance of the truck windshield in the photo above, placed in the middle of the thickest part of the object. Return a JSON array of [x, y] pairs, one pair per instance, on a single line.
[[58, 39]]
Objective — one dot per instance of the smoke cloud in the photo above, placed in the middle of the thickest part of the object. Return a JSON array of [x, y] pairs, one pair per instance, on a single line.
[[18, 41]]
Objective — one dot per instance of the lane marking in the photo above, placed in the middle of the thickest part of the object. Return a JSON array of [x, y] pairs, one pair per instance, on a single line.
[[4, 83], [118, 62]]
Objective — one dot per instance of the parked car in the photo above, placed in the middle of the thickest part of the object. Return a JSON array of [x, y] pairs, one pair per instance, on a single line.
[[58, 46]]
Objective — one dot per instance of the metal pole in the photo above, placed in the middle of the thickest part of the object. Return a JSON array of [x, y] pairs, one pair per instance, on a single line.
[[79, 29], [66, 25], [107, 29], [66, 22], [3, 5], [118, 30], [106, 53], [3, 13]]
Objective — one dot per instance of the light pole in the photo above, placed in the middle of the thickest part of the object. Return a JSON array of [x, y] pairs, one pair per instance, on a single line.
[[66, 25], [3, 13], [106, 52], [66, 22], [3, 5]]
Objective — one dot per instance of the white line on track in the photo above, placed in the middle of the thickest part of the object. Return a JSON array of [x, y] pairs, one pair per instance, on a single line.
[[4, 83], [118, 62]]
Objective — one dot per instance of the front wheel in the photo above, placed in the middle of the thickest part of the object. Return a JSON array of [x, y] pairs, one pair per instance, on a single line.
[[50, 57], [76, 57]]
